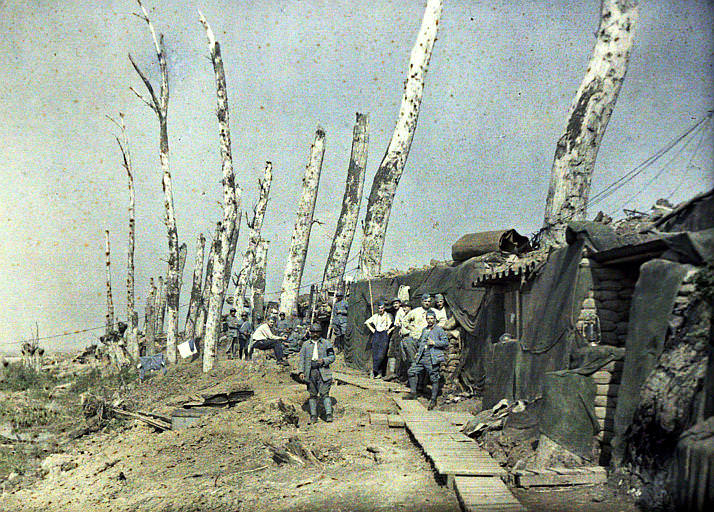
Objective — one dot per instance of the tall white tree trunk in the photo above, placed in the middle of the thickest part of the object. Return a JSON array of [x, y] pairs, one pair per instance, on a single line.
[[160, 106], [231, 203], [588, 117], [347, 223], [159, 306], [257, 281], [132, 319], [150, 320], [195, 302], [110, 302], [232, 252], [255, 225], [206, 292], [386, 180], [303, 225]]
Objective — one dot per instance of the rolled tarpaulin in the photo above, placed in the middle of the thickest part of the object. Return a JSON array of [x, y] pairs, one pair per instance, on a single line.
[[476, 244]]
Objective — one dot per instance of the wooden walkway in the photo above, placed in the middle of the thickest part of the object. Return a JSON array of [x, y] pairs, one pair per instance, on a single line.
[[367, 383], [471, 471]]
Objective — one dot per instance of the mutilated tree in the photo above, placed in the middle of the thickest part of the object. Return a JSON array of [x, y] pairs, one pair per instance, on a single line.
[[206, 292], [588, 116], [110, 302], [385, 183], [303, 225], [160, 105], [150, 320], [346, 224], [160, 306], [131, 315], [255, 225], [195, 302], [257, 281], [231, 202]]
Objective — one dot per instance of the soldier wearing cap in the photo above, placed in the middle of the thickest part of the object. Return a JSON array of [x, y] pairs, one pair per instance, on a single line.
[[245, 331], [430, 355], [413, 323], [316, 356], [232, 325], [339, 320], [395, 338]]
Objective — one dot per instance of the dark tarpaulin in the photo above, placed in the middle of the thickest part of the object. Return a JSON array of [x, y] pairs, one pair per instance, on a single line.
[[567, 411], [652, 303], [551, 303]]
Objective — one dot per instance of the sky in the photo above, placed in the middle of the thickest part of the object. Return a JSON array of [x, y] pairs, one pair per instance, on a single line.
[[497, 92]]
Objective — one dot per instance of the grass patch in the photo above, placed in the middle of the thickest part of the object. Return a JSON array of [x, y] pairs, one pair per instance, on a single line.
[[18, 377], [26, 415]]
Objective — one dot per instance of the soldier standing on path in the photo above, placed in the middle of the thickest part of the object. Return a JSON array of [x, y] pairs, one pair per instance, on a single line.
[[432, 344], [395, 338], [245, 331], [316, 356], [232, 325], [414, 323], [339, 320]]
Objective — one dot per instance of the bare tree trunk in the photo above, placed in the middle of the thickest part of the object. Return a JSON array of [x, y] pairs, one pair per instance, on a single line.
[[160, 106], [231, 203], [588, 117], [183, 252], [150, 320], [301, 233], [347, 223], [195, 302], [160, 307], [110, 302], [132, 319], [258, 278], [255, 225], [206, 293], [385, 183], [232, 251]]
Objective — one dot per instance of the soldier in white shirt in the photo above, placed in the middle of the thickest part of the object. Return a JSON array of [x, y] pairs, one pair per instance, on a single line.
[[380, 325]]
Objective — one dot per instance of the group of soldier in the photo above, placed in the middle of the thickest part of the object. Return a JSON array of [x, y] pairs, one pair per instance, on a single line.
[[413, 337]]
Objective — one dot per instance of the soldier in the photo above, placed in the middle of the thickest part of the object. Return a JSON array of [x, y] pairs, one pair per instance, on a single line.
[[432, 344], [339, 320], [264, 339], [380, 325], [440, 310], [395, 338], [414, 323], [232, 326], [244, 333], [316, 356]]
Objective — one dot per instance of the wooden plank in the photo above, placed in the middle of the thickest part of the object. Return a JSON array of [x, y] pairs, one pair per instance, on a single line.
[[378, 419], [468, 467], [365, 383], [547, 478], [395, 421], [485, 494], [605, 412]]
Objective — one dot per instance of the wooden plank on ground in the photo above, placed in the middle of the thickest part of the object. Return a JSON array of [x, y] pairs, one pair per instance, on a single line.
[[378, 419], [395, 421], [561, 476], [467, 466], [606, 389], [372, 384], [485, 494]]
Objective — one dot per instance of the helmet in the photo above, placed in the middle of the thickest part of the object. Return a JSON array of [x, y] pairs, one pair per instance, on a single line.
[[315, 328]]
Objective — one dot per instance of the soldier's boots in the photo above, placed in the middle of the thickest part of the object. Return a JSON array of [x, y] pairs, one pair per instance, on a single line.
[[411, 396], [312, 405], [432, 404]]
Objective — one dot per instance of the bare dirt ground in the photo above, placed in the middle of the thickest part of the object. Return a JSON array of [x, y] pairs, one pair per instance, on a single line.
[[224, 463]]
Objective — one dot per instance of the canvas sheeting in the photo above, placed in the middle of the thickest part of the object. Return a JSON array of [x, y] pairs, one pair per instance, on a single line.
[[652, 303], [567, 412]]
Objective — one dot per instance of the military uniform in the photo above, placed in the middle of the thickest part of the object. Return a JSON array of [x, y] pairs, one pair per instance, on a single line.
[[428, 359], [316, 356], [232, 325], [339, 322]]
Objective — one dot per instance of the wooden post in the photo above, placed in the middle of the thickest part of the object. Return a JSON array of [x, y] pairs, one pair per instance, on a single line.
[[301, 233], [150, 320], [385, 183], [255, 225], [110, 303], [231, 204], [160, 105], [347, 223], [195, 301], [589, 114]]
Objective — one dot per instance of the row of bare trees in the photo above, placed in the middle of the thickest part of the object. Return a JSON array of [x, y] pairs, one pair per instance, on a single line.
[[567, 196]]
